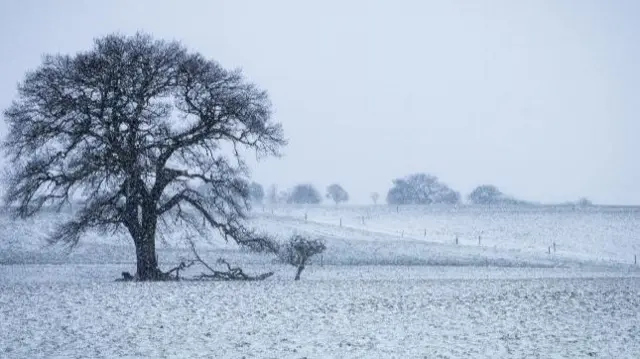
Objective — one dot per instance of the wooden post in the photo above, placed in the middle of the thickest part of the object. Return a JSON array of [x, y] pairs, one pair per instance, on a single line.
[[305, 216], [554, 247], [340, 221], [635, 259], [362, 219], [456, 239], [425, 232], [397, 209], [549, 249], [479, 240]]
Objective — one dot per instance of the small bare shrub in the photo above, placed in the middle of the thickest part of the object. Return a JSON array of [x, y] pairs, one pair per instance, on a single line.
[[299, 249]]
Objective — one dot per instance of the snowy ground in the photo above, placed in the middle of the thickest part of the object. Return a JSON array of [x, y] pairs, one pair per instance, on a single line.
[[384, 288], [345, 311]]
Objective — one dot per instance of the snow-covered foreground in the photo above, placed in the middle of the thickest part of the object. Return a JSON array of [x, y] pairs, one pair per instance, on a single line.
[[394, 284], [73, 311]]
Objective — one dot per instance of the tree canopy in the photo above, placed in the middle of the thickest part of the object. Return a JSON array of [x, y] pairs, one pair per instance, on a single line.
[[374, 197], [421, 188], [336, 193], [491, 195], [134, 127], [304, 194], [486, 194], [256, 192]]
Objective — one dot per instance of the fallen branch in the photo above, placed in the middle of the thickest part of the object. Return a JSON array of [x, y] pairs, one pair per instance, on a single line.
[[180, 267], [232, 273]]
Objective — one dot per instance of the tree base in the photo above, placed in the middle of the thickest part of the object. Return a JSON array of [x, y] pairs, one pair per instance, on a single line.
[[232, 273]]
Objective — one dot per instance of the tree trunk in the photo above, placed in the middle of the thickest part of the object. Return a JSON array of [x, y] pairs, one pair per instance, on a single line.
[[146, 260], [300, 269], [145, 241]]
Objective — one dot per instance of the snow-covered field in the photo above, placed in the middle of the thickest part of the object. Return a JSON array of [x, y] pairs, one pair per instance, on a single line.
[[76, 311], [384, 288]]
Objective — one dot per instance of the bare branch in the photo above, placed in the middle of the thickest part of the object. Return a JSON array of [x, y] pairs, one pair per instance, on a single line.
[[131, 128]]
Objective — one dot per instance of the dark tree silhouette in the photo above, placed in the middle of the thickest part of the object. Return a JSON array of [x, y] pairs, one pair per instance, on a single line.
[[491, 195], [304, 194], [272, 194], [336, 193], [298, 251], [486, 194], [256, 192], [134, 127], [421, 188], [584, 202]]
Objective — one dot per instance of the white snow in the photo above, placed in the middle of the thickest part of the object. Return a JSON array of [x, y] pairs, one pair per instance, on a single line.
[[332, 313], [376, 292]]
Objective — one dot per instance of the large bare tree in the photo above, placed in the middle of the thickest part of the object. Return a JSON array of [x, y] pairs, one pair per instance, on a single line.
[[145, 133]]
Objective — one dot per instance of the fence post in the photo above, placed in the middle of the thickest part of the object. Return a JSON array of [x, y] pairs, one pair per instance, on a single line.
[[425, 232], [479, 240], [305, 216], [340, 221], [549, 249], [554, 247], [635, 259], [456, 239]]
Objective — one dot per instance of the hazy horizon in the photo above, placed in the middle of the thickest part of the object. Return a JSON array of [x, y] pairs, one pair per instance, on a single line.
[[537, 98]]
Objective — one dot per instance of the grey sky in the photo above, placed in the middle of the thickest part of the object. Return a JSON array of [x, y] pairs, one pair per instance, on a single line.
[[537, 97]]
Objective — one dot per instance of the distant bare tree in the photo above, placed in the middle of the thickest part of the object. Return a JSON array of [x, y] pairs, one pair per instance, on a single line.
[[336, 193], [304, 194], [374, 197], [256, 192], [272, 194], [491, 195], [421, 188], [298, 251], [135, 127]]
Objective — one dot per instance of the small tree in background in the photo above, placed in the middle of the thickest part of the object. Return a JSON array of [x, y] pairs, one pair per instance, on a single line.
[[374, 197], [299, 250], [421, 188], [584, 202], [486, 194], [256, 192], [272, 195], [491, 195], [304, 194], [283, 196], [336, 193]]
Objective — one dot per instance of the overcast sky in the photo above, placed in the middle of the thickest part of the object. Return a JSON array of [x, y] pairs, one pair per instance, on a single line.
[[540, 98]]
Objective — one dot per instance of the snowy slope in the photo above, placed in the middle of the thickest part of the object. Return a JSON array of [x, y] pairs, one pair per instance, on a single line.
[[600, 234], [380, 236]]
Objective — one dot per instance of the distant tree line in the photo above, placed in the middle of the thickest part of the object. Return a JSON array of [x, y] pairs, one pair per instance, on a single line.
[[304, 193], [414, 189]]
